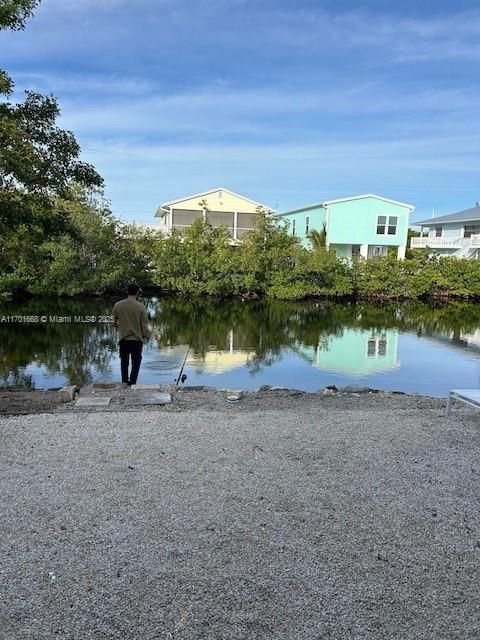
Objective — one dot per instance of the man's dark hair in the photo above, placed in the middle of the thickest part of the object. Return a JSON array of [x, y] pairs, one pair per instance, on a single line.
[[133, 289]]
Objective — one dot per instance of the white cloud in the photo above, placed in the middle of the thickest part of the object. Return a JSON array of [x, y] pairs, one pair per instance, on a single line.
[[267, 113]]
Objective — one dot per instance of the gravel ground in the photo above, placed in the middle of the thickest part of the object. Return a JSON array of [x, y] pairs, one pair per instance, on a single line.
[[280, 517]]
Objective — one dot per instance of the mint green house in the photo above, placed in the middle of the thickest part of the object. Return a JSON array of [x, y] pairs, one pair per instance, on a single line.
[[359, 226]]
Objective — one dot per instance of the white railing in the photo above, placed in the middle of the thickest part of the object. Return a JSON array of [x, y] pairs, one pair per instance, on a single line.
[[455, 242], [437, 243]]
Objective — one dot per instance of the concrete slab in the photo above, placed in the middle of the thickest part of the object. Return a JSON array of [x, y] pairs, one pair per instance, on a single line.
[[141, 399], [104, 385], [67, 394], [145, 387], [90, 401]]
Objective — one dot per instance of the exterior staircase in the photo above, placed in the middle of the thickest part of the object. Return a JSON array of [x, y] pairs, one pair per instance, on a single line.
[[468, 251]]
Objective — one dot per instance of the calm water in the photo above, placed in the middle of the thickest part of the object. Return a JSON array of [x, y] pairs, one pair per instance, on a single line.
[[243, 345]]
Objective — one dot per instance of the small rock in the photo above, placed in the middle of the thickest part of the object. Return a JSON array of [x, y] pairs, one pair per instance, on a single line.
[[354, 388]]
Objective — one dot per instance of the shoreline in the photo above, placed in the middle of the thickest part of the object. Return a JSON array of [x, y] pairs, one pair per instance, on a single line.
[[36, 401], [442, 297]]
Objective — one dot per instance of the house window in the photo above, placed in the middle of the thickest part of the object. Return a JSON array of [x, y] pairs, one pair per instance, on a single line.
[[382, 347], [387, 224], [307, 224], [438, 232], [470, 230], [377, 346], [392, 225], [293, 227], [371, 348], [381, 225]]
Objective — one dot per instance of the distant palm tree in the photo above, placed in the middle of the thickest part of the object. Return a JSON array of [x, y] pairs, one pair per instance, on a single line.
[[318, 239]]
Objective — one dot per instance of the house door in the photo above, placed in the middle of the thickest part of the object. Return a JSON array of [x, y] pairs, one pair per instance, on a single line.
[[355, 251]]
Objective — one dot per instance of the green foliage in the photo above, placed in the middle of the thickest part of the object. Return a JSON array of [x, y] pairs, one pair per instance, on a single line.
[[93, 254], [39, 175], [197, 262], [40, 178], [204, 261], [318, 239], [412, 253], [268, 253], [36, 157], [14, 13]]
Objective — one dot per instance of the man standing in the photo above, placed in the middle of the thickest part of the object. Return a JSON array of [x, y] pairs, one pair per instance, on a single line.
[[131, 319]]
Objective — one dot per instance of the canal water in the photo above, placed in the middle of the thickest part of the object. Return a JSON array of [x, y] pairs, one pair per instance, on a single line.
[[234, 344]]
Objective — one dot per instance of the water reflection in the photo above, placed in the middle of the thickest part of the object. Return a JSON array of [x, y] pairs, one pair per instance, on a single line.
[[356, 352], [244, 344], [219, 361], [58, 351]]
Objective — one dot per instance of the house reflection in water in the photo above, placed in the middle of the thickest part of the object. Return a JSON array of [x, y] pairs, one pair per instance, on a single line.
[[356, 352], [217, 361]]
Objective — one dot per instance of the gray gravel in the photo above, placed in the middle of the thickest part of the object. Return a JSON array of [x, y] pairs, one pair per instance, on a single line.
[[297, 517]]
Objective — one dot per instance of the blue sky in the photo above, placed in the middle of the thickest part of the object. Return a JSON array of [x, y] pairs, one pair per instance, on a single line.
[[288, 102]]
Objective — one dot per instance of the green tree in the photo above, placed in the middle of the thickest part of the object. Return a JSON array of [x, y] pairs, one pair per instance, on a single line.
[[13, 13], [318, 239], [39, 170], [97, 254], [266, 251]]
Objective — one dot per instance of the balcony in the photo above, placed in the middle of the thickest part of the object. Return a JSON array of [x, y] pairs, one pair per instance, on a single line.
[[445, 243]]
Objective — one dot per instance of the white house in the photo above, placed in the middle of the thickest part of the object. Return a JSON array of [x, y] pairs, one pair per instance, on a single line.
[[456, 234]]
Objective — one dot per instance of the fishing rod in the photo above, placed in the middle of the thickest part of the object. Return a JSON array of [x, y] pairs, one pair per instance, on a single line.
[[181, 370]]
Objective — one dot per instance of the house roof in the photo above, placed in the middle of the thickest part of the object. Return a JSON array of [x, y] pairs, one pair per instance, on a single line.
[[161, 209], [325, 203], [371, 195], [307, 208], [466, 215]]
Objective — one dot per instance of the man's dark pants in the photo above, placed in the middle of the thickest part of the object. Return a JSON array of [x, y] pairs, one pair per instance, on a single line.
[[131, 348]]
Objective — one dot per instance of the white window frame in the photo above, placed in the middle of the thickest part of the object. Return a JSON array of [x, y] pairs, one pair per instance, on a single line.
[[376, 339], [307, 224], [386, 225], [293, 227]]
